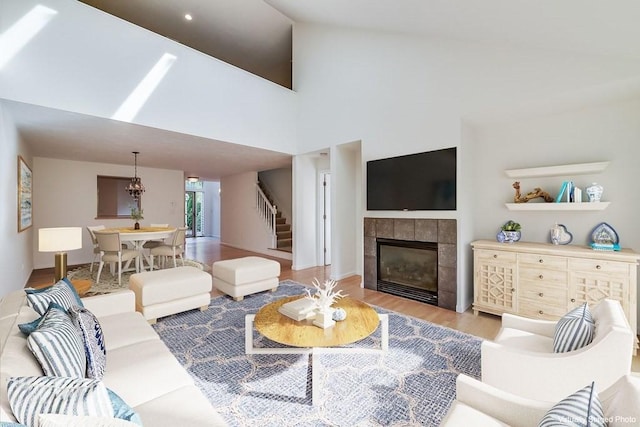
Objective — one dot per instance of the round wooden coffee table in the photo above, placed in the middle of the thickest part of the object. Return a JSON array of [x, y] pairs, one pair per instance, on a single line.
[[302, 337], [361, 321]]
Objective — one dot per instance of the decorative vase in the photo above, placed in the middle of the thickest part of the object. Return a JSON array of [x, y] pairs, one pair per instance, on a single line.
[[324, 319], [510, 236], [136, 226], [594, 192]]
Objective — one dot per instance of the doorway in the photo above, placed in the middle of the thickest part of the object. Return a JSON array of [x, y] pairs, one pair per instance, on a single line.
[[194, 213]]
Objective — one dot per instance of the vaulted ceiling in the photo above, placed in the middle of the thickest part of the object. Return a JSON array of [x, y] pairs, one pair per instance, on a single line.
[[256, 35]]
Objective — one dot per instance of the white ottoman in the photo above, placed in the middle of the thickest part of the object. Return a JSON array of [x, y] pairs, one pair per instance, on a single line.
[[174, 290], [244, 276]]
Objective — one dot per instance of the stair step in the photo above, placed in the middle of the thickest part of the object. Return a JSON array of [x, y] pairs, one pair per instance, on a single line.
[[281, 220], [283, 227], [283, 234], [284, 243]]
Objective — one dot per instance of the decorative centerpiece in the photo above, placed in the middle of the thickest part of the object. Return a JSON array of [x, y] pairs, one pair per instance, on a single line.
[[323, 298], [509, 232], [136, 214]]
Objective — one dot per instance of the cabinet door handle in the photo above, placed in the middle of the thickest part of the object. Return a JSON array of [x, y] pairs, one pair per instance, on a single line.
[[540, 312], [573, 300], [495, 255], [541, 294], [540, 260], [513, 290], [598, 267], [541, 276]]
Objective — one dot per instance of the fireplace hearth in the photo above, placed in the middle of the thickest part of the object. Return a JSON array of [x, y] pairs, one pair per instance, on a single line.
[[439, 233], [408, 269]]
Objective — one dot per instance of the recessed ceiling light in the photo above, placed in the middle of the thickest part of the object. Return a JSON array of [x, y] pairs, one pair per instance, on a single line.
[[188, 17]]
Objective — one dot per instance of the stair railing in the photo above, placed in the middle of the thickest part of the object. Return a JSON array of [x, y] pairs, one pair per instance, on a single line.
[[267, 212]]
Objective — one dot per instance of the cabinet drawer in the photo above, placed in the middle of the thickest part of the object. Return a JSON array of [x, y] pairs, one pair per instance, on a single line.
[[541, 275], [487, 255], [544, 261], [549, 294], [599, 266], [535, 310]]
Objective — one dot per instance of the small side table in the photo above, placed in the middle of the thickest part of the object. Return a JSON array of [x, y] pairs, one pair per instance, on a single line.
[[81, 286]]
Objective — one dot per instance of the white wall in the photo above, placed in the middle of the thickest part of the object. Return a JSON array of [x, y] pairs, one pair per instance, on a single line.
[[87, 61], [402, 94], [16, 262], [240, 224], [212, 208], [65, 195], [346, 203], [305, 219]]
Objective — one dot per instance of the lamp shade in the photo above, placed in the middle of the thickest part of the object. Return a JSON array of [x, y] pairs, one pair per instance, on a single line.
[[59, 239]]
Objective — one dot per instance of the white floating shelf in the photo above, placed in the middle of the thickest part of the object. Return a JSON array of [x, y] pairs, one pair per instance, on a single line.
[[584, 206], [560, 170]]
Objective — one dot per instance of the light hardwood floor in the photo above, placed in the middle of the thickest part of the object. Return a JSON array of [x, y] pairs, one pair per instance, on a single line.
[[208, 250]]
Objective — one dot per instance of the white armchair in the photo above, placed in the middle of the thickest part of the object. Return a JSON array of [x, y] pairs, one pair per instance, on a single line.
[[521, 361], [481, 405]]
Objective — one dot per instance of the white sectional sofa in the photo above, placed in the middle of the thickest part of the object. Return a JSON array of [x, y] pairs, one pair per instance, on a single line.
[[140, 368]]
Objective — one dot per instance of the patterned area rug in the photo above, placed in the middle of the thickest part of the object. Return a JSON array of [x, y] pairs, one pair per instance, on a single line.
[[411, 385], [109, 282]]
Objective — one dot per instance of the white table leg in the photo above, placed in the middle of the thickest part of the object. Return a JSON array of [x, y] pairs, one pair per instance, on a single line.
[[384, 332]]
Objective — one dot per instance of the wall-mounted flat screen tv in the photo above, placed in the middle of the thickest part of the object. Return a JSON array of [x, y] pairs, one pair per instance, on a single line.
[[420, 182]]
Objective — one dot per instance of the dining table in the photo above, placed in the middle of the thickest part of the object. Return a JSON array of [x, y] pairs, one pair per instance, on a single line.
[[138, 237]]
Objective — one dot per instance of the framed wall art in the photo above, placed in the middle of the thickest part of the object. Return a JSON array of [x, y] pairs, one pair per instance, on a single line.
[[25, 195]]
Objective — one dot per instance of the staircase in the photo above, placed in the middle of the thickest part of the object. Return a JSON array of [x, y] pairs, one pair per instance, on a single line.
[[277, 224], [284, 240]]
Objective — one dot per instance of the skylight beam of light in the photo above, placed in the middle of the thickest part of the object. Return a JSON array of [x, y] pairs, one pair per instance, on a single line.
[[136, 99], [22, 31]]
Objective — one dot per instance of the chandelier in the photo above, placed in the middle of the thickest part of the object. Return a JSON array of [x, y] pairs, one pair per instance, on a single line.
[[135, 187]]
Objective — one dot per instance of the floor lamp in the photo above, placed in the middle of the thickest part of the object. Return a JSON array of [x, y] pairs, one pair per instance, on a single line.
[[60, 240]]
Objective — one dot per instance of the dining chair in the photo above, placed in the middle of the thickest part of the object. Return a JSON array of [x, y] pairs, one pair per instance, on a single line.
[[173, 249], [153, 243], [94, 241], [112, 252]]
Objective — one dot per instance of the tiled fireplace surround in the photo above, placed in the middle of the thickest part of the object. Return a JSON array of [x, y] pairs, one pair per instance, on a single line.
[[440, 231]]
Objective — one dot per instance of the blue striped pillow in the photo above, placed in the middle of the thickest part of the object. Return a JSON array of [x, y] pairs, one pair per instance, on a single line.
[[582, 408], [30, 396], [57, 345], [575, 330], [93, 340], [62, 293]]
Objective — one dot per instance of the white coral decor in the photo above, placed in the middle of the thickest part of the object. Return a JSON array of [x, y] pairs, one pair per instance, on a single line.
[[324, 296]]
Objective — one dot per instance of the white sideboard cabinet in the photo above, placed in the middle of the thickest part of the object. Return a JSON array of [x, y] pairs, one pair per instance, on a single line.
[[545, 281]]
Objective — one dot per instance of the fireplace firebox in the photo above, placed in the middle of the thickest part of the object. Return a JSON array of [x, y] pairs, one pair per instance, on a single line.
[[408, 269]]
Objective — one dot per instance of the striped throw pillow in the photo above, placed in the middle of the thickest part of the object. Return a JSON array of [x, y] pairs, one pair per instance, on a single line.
[[92, 338], [30, 396], [58, 420], [57, 345], [62, 293], [582, 408], [575, 330]]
